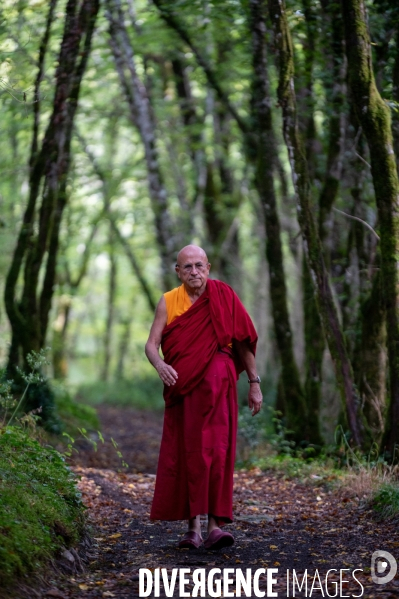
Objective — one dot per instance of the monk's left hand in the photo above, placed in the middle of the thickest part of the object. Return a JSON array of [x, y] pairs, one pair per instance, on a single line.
[[255, 398]]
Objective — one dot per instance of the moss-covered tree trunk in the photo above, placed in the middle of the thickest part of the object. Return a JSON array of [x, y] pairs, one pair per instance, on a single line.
[[369, 361], [373, 114], [314, 350], [265, 148], [395, 94], [314, 342], [312, 245]]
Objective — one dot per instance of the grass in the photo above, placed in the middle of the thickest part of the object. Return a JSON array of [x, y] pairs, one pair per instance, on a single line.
[[385, 500], [40, 507], [318, 471]]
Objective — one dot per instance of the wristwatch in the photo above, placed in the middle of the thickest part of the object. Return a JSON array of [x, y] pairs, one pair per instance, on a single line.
[[256, 380]]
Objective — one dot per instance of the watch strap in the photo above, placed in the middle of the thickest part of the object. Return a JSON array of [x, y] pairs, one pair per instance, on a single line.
[[255, 380]]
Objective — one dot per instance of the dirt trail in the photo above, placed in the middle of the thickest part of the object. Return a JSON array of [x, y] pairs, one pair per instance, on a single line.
[[279, 524]]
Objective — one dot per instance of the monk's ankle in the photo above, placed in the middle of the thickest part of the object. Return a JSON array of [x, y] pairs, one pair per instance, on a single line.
[[212, 524], [194, 524]]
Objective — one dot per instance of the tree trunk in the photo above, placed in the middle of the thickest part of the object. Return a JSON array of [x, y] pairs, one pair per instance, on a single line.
[[60, 327], [294, 404], [336, 61], [193, 125], [312, 245], [140, 113], [312, 146], [395, 95], [370, 362], [314, 350], [123, 349], [49, 165], [373, 114], [110, 307]]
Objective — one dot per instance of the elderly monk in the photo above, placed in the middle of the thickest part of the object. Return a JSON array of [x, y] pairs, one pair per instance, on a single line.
[[207, 339]]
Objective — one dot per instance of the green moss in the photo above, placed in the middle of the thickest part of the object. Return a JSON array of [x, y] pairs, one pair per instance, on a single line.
[[40, 507]]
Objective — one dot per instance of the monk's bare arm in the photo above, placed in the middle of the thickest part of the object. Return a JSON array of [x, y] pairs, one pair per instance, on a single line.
[[248, 360], [166, 373]]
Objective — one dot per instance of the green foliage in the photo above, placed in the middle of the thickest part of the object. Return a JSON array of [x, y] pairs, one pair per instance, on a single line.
[[318, 471], [141, 392], [385, 500], [35, 393], [40, 507], [73, 414]]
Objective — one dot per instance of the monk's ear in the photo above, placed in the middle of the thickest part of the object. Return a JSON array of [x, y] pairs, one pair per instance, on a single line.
[[177, 270]]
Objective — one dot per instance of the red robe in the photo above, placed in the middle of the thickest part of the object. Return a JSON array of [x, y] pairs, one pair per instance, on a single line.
[[196, 462]]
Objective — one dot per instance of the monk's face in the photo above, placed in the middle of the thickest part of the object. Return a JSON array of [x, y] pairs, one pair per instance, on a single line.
[[193, 268]]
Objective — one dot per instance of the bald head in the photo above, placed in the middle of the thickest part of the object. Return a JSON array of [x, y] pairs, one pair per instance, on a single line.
[[189, 251], [192, 268]]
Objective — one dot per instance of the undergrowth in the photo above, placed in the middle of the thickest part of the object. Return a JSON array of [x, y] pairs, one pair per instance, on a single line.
[[143, 393], [73, 414], [263, 443], [41, 510]]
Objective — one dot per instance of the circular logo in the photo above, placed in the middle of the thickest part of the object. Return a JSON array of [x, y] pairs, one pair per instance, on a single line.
[[380, 560]]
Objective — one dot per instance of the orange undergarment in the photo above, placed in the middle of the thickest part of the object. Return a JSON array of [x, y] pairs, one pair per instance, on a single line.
[[177, 302]]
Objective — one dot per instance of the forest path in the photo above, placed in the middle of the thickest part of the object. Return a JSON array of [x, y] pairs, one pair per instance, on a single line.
[[279, 523]]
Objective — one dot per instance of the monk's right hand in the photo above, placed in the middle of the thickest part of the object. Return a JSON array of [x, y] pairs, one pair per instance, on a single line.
[[167, 374]]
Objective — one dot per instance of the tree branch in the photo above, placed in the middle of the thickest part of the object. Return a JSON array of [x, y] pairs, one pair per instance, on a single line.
[[360, 221]]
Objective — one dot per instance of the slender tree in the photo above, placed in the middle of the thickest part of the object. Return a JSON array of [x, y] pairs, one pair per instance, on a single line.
[[110, 319]]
